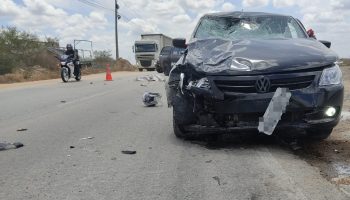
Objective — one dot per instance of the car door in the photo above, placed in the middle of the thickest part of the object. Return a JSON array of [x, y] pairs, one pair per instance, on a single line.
[[164, 57]]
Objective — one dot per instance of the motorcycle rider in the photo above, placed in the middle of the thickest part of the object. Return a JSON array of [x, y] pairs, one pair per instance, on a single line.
[[73, 54]]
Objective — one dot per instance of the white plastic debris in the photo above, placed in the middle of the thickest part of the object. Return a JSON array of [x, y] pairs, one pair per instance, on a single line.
[[150, 78], [87, 138], [8, 146]]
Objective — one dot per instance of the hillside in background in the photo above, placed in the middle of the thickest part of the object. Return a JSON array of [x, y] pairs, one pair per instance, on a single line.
[[23, 57]]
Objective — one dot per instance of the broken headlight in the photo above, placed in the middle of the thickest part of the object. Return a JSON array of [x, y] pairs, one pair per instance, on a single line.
[[203, 83], [331, 76]]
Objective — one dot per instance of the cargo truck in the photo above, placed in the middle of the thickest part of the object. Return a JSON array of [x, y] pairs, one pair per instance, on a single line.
[[148, 48]]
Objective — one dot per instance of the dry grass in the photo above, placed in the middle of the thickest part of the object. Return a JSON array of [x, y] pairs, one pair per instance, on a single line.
[[36, 73]]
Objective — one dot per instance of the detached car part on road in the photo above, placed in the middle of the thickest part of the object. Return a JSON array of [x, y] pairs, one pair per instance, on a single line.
[[236, 62]]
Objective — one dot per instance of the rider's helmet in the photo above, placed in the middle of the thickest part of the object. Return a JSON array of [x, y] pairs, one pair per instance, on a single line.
[[151, 99], [69, 47]]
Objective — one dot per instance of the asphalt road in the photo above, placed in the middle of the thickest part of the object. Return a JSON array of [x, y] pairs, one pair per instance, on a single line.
[[164, 167]]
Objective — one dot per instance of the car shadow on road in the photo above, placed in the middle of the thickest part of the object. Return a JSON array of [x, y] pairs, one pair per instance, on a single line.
[[246, 140]]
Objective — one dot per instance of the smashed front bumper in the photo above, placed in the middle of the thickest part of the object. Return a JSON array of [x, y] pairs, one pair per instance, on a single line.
[[231, 106]]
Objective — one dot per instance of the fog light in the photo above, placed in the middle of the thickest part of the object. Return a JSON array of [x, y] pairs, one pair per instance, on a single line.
[[330, 112]]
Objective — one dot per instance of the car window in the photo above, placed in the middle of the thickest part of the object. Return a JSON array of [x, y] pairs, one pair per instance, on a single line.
[[166, 51], [295, 33], [145, 47], [177, 51], [262, 27]]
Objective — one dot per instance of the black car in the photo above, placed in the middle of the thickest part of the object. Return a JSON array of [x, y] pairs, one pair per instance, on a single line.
[[252, 71], [167, 57]]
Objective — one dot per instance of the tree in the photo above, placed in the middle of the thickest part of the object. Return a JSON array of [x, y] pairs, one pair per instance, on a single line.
[[103, 56], [21, 48]]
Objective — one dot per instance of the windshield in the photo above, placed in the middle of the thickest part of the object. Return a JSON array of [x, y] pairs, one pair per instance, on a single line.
[[263, 27], [145, 48], [63, 57]]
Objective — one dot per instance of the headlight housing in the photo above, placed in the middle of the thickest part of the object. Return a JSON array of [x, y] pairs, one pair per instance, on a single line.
[[331, 76], [203, 83]]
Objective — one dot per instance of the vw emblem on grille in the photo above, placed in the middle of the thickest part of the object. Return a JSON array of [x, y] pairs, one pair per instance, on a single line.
[[262, 85]]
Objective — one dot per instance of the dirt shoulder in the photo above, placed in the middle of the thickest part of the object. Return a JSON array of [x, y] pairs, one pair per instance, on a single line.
[[53, 81], [332, 156]]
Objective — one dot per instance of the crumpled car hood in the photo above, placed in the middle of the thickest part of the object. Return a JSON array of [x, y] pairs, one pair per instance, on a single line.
[[217, 55]]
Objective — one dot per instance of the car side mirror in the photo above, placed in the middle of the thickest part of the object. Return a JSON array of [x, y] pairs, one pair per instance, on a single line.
[[326, 43], [180, 43]]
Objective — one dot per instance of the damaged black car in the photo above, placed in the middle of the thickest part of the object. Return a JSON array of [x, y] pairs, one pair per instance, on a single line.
[[249, 71]]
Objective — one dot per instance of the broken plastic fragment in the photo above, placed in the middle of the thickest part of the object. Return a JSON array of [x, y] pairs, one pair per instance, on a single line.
[[151, 78], [22, 129], [7, 146], [87, 138], [129, 152], [217, 179]]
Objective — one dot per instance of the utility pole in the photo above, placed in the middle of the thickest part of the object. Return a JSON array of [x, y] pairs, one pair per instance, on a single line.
[[117, 17]]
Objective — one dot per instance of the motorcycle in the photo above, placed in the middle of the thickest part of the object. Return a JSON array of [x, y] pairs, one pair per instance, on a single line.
[[67, 68]]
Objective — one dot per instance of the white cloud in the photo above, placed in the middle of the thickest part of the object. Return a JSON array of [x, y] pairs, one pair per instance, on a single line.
[[227, 7], [201, 5], [8, 8], [283, 3], [255, 3], [181, 19], [70, 20], [341, 4]]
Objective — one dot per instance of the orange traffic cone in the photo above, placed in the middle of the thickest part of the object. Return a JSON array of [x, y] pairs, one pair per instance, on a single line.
[[108, 74]]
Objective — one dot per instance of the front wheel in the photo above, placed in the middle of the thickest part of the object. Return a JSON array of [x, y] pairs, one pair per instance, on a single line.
[[64, 74], [178, 130]]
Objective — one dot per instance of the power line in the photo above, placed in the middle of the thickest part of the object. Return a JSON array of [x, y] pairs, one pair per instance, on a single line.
[[96, 5], [127, 6], [100, 6]]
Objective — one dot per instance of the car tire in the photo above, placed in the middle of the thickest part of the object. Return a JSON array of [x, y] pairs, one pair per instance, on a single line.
[[167, 70], [159, 69], [140, 70], [178, 129], [319, 134]]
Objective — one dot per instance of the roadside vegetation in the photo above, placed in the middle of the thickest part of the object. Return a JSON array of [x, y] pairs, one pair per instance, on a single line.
[[345, 62], [24, 57]]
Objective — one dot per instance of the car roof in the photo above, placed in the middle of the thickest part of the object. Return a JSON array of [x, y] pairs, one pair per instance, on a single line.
[[241, 14]]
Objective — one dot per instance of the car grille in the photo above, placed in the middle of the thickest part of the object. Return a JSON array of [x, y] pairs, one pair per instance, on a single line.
[[146, 63], [247, 84]]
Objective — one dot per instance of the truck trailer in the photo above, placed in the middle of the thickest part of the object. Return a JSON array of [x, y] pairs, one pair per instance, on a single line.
[[148, 48]]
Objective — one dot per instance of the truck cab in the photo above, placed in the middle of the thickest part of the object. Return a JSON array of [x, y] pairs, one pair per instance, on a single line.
[[148, 48], [146, 53]]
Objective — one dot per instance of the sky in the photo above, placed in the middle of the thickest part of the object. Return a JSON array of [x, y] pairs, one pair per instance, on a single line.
[[94, 19]]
